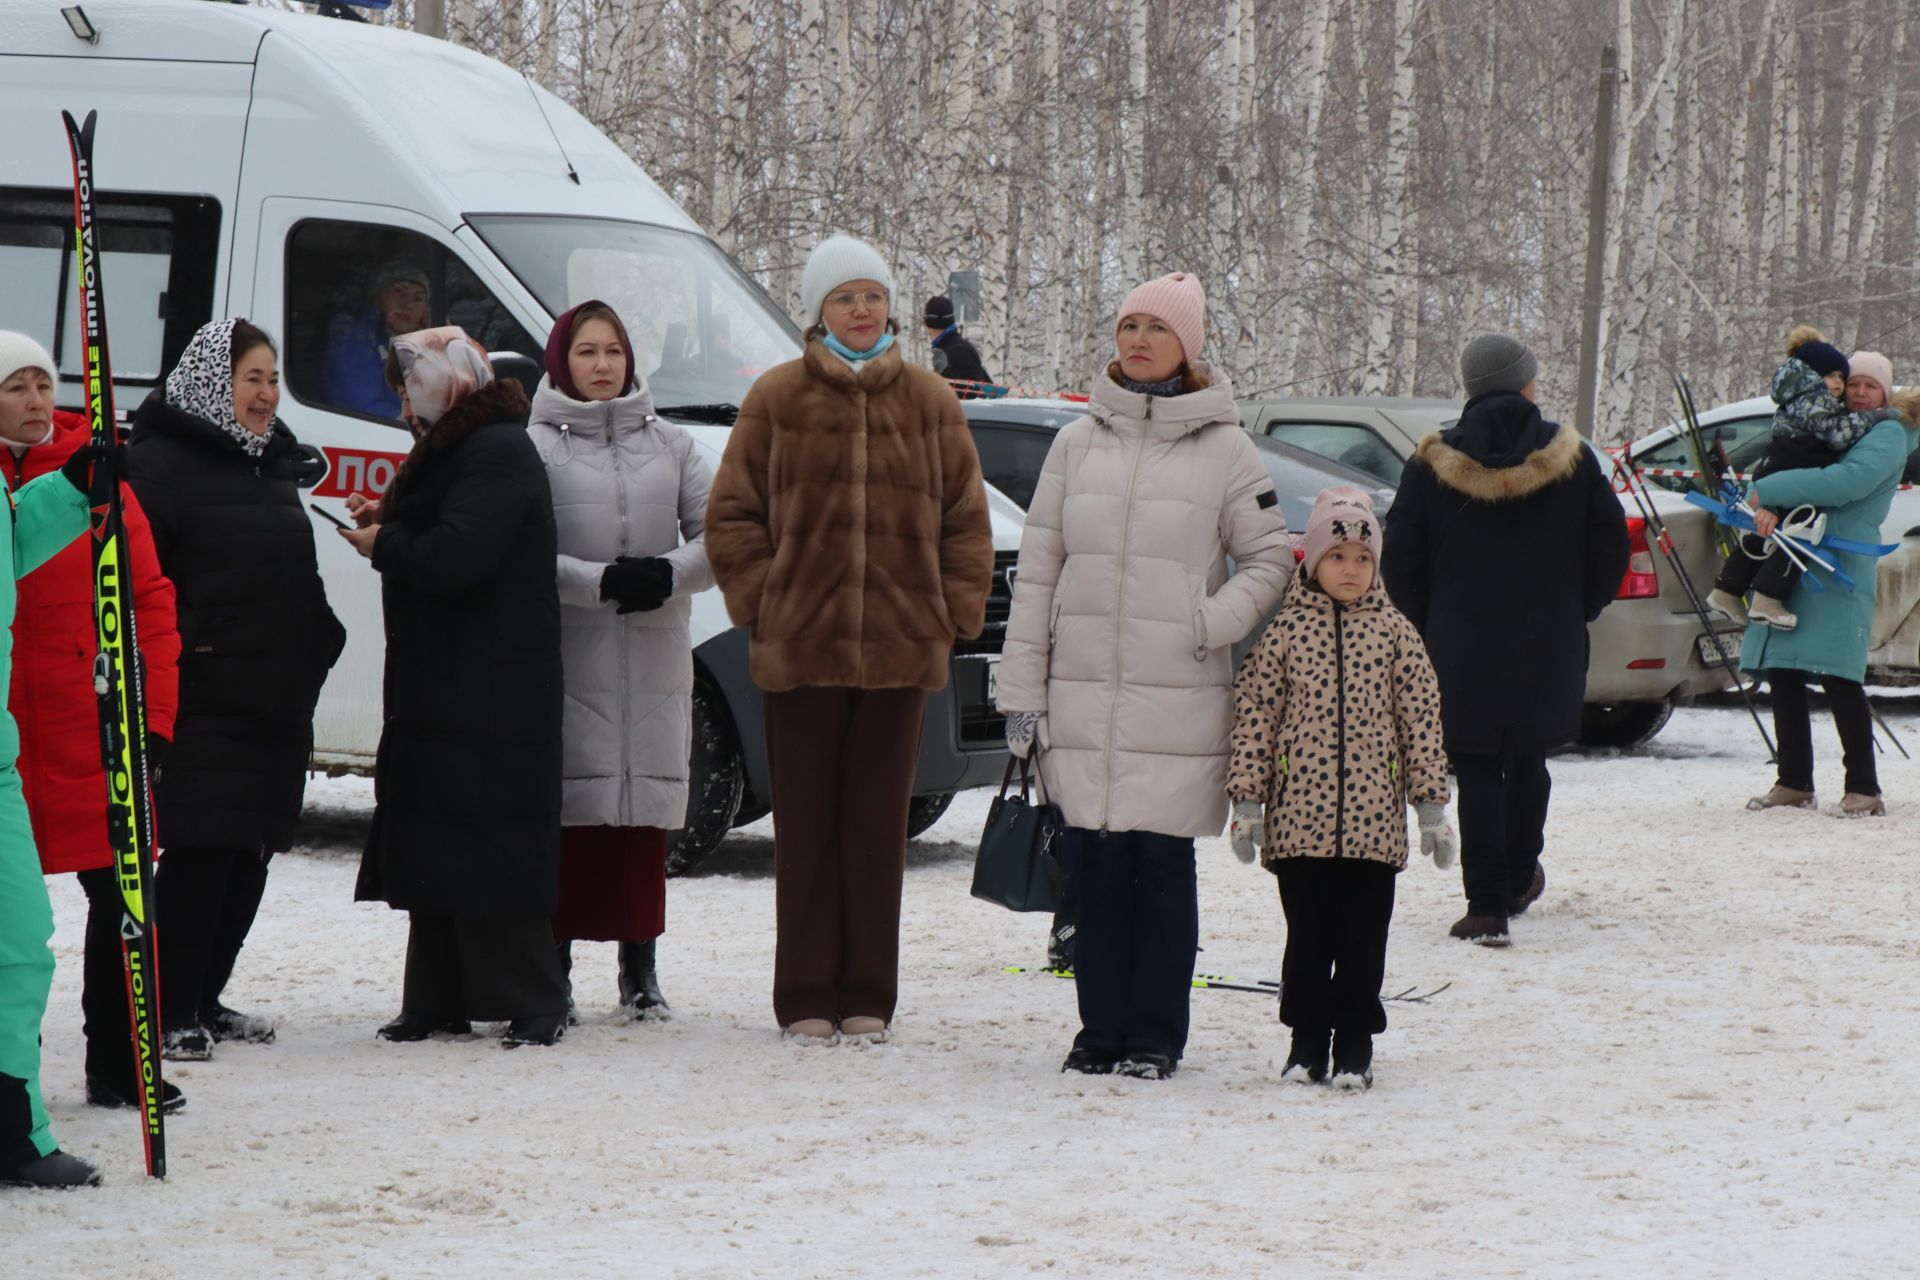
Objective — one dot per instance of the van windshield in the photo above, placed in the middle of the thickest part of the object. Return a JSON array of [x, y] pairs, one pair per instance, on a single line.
[[701, 330]]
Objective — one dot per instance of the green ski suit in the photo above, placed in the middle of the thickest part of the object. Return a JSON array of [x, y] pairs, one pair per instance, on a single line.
[[42, 518]]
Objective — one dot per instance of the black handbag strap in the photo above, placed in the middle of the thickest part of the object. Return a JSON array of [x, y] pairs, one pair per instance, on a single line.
[[1026, 765]]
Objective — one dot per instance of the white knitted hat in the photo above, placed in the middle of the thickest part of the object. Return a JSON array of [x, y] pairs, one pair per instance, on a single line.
[[18, 351], [833, 262]]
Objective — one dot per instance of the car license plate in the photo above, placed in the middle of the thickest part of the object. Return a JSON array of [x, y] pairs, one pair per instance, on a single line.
[[1710, 657], [993, 680]]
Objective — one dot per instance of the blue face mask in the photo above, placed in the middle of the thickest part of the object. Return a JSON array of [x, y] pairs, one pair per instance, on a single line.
[[847, 353]]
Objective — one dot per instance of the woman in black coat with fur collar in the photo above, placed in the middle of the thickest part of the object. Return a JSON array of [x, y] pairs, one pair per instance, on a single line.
[[466, 827], [1504, 541]]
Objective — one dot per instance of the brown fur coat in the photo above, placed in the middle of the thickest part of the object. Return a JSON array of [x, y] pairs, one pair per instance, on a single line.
[[848, 526]]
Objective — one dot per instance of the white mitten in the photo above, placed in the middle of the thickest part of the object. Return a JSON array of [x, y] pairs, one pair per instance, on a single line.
[[1022, 728], [1437, 839], [1249, 829]]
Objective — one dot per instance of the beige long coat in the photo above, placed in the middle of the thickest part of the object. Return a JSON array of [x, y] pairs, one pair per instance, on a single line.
[[1124, 611]]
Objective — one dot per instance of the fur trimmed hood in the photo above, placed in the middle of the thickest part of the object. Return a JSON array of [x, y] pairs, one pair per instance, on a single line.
[[1459, 470]]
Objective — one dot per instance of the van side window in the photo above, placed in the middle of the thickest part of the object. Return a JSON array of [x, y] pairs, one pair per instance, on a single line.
[[353, 286], [157, 258]]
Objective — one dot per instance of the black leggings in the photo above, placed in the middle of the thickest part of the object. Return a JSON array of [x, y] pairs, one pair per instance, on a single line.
[[1793, 726]]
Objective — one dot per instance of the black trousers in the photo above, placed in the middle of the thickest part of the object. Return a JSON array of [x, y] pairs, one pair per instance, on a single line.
[[1793, 730], [492, 970], [1337, 910], [1139, 933], [105, 1018], [205, 900], [1773, 574], [1503, 821]]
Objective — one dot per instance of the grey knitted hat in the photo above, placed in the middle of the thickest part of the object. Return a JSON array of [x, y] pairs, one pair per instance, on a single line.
[[1496, 362]]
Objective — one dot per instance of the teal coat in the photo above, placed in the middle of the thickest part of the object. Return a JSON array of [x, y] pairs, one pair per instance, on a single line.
[[43, 517], [1855, 492]]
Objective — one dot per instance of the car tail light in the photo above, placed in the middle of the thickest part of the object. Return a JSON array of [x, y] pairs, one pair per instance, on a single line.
[[1641, 582]]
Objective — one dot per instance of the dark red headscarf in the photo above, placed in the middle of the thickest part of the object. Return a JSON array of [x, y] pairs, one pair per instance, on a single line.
[[560, 340]]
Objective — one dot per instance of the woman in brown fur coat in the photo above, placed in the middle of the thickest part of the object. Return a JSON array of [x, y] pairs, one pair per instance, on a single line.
[[848, 530]]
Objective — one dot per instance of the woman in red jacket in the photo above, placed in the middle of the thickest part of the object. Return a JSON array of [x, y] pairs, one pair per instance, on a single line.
[[52, 698]]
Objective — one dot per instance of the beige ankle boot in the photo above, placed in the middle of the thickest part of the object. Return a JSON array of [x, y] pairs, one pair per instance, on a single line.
[[1772, 612], [810, 1031], [1854, 805], [1783, 798], [1727, 604], [865, 1030]]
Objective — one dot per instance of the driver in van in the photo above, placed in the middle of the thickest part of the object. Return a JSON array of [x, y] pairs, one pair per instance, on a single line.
[[354, 378]]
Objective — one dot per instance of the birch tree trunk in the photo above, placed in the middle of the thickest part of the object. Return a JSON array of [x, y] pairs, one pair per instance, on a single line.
[[1391, 202]]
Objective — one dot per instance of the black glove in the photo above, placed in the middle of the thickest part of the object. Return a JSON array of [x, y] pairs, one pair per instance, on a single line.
[[638, 586], [78, 469]]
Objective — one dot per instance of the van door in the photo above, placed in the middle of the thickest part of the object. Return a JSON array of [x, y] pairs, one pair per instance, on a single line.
[[335, 281]]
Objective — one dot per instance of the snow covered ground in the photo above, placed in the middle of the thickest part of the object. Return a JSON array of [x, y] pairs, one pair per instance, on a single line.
[[1698, 1059]]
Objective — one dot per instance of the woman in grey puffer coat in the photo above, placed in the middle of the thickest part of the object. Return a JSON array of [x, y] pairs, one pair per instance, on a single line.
[[630, 500]]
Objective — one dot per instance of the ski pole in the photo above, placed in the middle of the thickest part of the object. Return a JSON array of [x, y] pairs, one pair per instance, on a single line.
[[1886, 728], [1664, 540]]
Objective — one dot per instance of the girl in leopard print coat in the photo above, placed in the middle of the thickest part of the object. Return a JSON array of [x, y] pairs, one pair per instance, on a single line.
[[1336, 730]]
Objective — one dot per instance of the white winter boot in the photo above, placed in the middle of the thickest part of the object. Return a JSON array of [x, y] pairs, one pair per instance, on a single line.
[[1772, 612], [1726, 604]]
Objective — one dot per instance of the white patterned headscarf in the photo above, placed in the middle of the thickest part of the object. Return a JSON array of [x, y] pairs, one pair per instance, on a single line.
[[441, 367], [202, 384]]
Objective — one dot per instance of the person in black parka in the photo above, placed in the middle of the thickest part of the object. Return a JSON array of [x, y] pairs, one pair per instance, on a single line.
[[954, 357], [216, 473], [466, 827], [1504, 541]]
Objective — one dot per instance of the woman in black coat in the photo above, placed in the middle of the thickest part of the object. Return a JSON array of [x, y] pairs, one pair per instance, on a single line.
[[1504, 541], [215, 471], [466, 827]]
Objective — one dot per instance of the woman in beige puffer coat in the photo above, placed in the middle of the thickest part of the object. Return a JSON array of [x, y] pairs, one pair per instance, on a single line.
[[1117, 660]]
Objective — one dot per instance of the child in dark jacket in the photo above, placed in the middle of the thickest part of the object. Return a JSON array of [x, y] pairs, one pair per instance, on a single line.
[[1336, 730], [1811, 428]]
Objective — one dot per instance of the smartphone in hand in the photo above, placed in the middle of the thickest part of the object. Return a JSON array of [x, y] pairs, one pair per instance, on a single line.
[[327, 515]]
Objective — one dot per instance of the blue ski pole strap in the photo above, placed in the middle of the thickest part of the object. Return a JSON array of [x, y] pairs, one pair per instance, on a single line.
[[1725, 514]]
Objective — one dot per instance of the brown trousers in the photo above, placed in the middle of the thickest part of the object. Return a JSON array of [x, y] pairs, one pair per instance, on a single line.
[[842, 763]]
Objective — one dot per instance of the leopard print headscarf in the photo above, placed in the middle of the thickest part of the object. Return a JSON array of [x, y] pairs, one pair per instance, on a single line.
[[202, 384]]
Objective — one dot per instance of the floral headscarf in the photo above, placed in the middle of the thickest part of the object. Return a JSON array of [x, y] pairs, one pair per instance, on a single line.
[[441, 367], [202, 384]]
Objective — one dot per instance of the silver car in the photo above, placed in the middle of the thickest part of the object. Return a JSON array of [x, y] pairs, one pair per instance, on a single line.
[[1648, 651]]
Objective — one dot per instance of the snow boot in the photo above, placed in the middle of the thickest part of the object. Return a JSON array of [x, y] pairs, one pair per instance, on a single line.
[[639, 984], [1772, 613], [565, 951], [1780, 797], [102, 1094], [55, 1171], [187, 1044], [1726, 604], [811, 1032], [1089, 1062], [543, 1031], [864, 1030], [1519, 905], [1488, 931], [1307, 1057], [247, 1028], [1143, 1064], [409, 1027], [1855, 805], [1352, 1060]]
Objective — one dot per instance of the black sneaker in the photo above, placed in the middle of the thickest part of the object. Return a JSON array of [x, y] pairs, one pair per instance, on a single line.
[[409, 1027], [102, 1094], [247, 1028], [56, 1172], [1353, 1061], [1089, 1062], [1307, 1057], [1146, 1065], [543, 1031]]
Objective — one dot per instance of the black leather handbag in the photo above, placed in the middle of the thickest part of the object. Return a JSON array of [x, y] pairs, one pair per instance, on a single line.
[[1016, 866]]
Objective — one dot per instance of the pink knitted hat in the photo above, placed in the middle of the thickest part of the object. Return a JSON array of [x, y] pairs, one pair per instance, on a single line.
[[1875, 366], [1341, 513], [1177, 299]]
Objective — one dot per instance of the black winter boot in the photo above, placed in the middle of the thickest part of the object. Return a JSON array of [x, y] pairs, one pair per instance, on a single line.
[[639, 984], [1144, 1064], [1307, 1057], [544, 1031], [102, 1094], [56, 1172], [409, 1027], [565, 951], [1352, 1060]]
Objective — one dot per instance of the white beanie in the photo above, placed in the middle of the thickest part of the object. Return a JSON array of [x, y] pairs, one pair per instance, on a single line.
[[18, 351], [833, 262]]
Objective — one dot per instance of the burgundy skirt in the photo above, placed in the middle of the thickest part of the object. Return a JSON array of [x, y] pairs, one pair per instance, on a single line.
[[613, 884]]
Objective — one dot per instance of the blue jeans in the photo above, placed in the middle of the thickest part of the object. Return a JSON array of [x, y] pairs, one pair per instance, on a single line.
[[1139, 932]]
